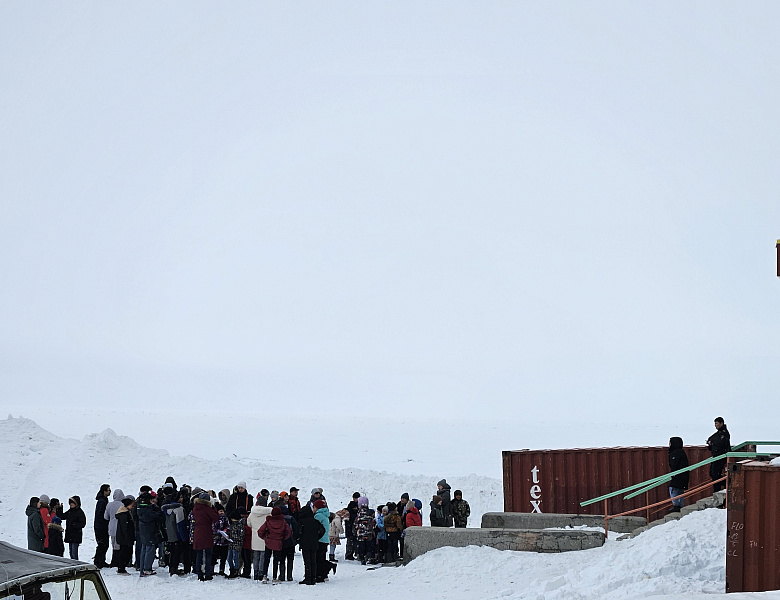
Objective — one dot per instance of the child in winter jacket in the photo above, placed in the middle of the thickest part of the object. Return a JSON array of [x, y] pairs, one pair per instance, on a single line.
[[460, 509], [237, 530], [393, 529], [220, 542], [381, 534], [364, 532]]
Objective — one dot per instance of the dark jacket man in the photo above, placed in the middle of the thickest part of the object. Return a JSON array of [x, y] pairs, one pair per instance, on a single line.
[[35, 528], [678, 459]]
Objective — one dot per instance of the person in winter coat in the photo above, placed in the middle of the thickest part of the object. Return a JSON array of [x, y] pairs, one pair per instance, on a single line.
[[460, 509], [393, 529], [262, 498], [437, 513], [293, 504], [381, 534], [204, 517], [403, 505], [446, 507], [220, 542], [46, 516], [352, 509], [311, 532], [678, 459], [413, 517], [100, 526], [240, 499], [237, 530], [256, 520], [274, 532], [288, 546], [150, 520], [76, 522], [56, 544], [335, 531], [224, 498], [363, 530], [124, 535], [110, 515], [718, 444], [35, 527], [324, 566], [176, 532]]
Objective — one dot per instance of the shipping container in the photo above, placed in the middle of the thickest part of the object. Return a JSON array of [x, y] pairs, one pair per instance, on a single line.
[[556, 481], [753, 527]]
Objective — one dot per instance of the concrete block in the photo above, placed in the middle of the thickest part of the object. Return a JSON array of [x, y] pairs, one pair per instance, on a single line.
[[420, 540], [502, 520], [686, 510]]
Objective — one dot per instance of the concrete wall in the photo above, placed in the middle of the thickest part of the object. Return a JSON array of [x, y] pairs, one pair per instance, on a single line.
[[420, 540], [503, 520]]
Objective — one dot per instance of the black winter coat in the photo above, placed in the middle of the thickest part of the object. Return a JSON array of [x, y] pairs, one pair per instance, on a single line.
[[35, 531], [311, 529], [100, 524], [678, 459], [125, 528], [76, 522], [719, 442], [150, 522]]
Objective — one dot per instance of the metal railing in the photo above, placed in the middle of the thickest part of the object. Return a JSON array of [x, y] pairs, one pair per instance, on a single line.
[[644, 487]]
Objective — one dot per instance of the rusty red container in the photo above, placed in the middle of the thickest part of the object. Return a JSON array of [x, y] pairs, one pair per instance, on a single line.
[[753, 538], [556, 481]]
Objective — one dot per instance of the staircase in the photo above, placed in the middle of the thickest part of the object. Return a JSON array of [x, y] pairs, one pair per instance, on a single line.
[[717, 500]]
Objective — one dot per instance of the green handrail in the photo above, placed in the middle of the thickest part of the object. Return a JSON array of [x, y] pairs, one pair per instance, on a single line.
[[656, 481], [668, 477], [743, 444]]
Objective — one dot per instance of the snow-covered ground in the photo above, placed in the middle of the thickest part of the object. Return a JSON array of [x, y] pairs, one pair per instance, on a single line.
[[682, 560]]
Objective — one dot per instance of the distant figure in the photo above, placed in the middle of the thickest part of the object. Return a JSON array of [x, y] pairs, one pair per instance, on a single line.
[[678, 459], [460, 509], [719, 443]]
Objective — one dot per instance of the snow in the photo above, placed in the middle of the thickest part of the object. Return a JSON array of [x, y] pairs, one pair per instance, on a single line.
[[681, 560]]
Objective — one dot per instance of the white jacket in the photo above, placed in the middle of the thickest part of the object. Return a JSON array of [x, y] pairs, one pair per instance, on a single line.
[[255, 521]]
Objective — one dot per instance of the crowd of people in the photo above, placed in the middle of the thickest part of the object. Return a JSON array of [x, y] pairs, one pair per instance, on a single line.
[[233, 533]]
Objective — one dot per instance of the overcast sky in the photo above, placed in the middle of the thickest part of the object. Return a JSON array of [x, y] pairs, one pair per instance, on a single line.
[[454, 210]]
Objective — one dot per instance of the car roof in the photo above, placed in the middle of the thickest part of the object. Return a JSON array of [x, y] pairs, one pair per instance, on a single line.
[[19, 566]]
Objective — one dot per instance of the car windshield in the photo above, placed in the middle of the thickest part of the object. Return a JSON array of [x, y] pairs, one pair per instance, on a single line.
[[84, 587]]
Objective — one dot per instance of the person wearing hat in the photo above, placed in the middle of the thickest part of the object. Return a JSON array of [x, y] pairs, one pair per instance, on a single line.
[[262, 497], [239, 499], [77, 521], [274, 498], [352, 509], [293, 504], [46, 516], [324, 566], [311, 532], [125, 535]]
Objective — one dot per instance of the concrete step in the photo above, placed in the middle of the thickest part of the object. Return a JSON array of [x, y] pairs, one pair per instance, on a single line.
[[718, 500]]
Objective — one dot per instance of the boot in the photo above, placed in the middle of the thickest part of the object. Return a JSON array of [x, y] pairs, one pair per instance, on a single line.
[[332, 557]]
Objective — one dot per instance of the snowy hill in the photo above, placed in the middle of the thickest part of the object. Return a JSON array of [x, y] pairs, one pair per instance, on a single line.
[[681, 560]]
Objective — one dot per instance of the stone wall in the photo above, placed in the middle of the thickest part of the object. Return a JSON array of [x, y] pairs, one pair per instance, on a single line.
[[502, 520], [420, 540]]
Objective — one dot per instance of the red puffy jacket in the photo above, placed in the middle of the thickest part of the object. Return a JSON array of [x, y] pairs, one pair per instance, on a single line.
[[413, 518], [275, 530]]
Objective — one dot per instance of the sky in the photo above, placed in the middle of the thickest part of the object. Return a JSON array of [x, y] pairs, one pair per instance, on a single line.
[[460, 211]]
